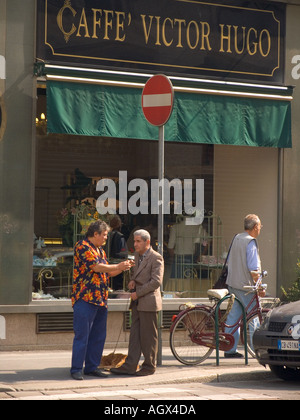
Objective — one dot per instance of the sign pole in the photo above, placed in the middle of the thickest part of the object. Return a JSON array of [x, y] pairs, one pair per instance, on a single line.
[[157, 105], [161, 175]]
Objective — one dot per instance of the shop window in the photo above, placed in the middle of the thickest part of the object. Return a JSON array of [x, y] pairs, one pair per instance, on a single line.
[[68, 168], [196, 257]]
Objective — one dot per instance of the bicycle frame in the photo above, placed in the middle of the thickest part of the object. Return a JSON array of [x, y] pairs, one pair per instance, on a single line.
[[199, 327], [256, 310]]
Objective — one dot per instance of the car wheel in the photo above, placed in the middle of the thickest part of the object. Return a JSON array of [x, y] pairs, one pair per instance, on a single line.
[[286, 373]]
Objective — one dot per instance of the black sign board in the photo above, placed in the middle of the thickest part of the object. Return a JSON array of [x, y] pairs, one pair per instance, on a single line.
[[223, 39]]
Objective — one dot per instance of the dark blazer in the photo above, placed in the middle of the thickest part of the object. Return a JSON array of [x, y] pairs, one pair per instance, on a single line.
[[148, 278]]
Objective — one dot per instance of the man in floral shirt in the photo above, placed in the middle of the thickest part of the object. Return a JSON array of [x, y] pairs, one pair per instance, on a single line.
[[89, 300], [88, 285]]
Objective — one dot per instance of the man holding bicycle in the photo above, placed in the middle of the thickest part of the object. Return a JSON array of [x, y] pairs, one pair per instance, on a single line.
[[244, 268]]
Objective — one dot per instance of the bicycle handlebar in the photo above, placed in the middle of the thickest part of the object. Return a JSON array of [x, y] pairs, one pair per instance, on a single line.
[[263, 274], [263, 286], [258, 284]]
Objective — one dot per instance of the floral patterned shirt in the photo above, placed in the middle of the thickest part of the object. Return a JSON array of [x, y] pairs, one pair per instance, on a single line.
[[87, 285]]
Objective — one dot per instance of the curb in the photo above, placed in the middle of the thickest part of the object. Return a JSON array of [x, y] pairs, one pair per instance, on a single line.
[[6, 388], [246, 376], [158, 379]]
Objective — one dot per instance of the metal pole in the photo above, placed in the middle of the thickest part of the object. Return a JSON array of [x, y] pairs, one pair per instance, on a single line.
[[161, 175], [280, 220]]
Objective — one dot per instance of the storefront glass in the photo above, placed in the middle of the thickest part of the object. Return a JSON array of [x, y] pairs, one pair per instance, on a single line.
[[67, 171]]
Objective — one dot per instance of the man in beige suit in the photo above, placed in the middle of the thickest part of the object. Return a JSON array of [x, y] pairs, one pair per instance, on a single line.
[[146, 302]]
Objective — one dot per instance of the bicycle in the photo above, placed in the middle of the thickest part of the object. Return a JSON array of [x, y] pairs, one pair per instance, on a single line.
[[192, 333]]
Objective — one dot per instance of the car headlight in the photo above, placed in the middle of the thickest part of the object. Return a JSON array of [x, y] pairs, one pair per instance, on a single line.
[[266, 322]]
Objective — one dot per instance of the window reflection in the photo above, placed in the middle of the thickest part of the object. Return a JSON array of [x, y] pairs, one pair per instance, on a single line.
[[68, 169]]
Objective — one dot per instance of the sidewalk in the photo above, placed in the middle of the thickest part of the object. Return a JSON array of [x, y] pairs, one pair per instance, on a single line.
[[34, 372]]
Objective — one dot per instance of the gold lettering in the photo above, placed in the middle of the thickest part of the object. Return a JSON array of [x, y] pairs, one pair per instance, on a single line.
[[180, 22], [265, 54], [120, 26], [236, 40], [188, 37], [108, 23], [223, 37], [83, 24], [59, 20], [167, 44], [96, 22], [157, 30], [205, 35], [147, 31], [252, 43]]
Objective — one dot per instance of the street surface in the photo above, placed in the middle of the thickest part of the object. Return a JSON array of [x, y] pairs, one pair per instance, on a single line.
[[273, 389], [251, 390], [39, 375]]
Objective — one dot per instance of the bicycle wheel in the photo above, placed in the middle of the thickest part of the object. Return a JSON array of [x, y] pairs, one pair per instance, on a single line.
[[252, 324], [184, 333]]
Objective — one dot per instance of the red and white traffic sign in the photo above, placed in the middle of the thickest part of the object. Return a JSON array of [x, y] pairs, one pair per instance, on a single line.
[[157, 100]]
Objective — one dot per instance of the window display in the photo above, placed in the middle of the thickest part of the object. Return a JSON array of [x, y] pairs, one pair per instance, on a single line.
[[68, 169]]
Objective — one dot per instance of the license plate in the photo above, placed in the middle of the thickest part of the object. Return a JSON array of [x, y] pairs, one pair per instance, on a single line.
[[288, 345]]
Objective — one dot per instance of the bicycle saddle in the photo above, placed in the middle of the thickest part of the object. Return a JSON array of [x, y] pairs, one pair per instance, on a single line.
[[217, 293]]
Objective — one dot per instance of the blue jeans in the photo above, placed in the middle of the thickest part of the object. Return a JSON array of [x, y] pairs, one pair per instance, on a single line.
[[90, 334], [236, 313]]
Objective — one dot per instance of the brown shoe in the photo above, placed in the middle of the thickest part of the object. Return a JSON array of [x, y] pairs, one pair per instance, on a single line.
[[145, 372], [121, 371]]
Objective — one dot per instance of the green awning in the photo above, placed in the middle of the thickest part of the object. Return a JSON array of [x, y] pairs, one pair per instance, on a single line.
[[211, 118]]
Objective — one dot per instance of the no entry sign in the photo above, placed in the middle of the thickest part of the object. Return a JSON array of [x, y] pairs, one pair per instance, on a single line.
[[157, 104], [157, 100]]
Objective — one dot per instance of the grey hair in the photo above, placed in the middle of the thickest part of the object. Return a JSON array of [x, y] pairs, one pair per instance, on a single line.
[[99, 226], [251, 221], [144, 234]]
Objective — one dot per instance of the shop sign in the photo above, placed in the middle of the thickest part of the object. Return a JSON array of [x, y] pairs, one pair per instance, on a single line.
[[224, 39]]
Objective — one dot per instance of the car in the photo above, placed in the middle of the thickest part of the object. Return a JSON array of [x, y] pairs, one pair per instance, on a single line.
[[277, 341]]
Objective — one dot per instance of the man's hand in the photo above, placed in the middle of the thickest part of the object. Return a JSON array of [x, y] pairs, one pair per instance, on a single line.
[[124, 265], [131, 285], [134, 296], [255, 275]]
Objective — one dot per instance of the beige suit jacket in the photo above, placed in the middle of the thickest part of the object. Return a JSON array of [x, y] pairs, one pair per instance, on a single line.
[[148, 278]]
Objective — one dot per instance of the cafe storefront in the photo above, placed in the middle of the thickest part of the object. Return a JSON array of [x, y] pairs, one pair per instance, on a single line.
[[231, 127]]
